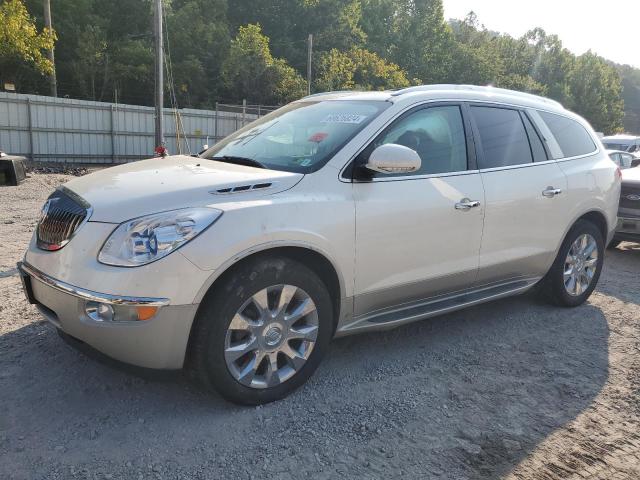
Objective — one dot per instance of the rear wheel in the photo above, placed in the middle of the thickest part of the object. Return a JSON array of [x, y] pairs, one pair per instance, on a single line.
[[576, 270], [262, 333]]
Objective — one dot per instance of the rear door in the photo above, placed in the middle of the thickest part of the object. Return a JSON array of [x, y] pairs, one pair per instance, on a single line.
[[525, 199]]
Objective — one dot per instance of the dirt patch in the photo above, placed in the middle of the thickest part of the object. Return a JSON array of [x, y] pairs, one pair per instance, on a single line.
[[513, 389]]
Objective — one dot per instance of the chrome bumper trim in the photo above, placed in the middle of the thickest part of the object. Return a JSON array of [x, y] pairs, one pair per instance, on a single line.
[[26, 269]]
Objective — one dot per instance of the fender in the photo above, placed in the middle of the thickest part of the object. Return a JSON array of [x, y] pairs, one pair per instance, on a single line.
[[264, 247]]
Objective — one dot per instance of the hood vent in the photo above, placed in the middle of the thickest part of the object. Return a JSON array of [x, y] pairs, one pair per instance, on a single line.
[[243, 188]]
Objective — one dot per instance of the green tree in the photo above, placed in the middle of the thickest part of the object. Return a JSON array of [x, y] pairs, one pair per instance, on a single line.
[[595, 92], [288, 23], [631, 95], [477, 60], [20, 41], [196, 64], [251, 72], [417, 39], [357, 69]]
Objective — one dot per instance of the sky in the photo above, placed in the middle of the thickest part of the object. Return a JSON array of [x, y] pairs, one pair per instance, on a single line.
[[609, 28]]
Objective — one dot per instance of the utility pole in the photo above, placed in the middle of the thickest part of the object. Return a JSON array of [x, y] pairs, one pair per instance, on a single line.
[[159, 93], [309, 56], [47, 23]]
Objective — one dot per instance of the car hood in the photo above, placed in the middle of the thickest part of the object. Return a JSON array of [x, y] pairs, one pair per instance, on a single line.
[[127, 191], [631, 176]]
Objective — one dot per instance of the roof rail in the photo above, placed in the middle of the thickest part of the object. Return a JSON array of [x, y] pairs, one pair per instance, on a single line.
[[475, 88], [319, 94]]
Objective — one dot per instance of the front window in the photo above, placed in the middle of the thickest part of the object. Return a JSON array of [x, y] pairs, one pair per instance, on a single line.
[[299, 137], [436, 134]]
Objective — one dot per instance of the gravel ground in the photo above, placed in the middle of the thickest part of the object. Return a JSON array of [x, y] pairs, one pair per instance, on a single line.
[[513, 389]]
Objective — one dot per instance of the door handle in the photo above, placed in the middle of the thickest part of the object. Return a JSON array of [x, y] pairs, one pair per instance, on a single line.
[[466, 204], [551, 192]]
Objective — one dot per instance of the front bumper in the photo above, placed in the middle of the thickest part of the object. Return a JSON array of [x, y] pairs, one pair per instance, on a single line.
[[160, 342], [628, 229]]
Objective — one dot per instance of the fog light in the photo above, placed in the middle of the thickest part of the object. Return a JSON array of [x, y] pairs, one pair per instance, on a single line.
[[100, 312]]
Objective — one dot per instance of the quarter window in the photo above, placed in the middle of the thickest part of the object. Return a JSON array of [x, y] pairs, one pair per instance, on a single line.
[[503, 137], [435, 133], [573, 138]]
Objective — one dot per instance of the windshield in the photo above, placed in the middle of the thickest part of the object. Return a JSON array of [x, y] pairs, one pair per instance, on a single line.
[[299, 137]]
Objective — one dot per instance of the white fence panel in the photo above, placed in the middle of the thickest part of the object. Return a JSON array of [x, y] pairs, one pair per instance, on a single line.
[[63, 130]]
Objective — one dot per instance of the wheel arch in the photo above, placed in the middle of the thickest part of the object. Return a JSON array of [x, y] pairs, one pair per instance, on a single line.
[[318, 261], [594, 216], [599, 220]]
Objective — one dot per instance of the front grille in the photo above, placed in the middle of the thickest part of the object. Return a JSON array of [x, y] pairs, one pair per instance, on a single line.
[[630, 197], [62, 214]]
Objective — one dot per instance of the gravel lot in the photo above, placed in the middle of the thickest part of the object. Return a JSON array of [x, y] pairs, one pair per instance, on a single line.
[[513, 389]]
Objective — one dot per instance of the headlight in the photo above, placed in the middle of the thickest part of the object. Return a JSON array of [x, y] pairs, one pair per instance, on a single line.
[[147, 239]]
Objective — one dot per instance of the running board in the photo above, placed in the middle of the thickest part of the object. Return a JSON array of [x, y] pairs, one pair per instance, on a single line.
[[390, 318]]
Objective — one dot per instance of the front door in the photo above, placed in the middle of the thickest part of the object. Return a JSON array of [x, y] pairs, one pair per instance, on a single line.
[[418, 235]]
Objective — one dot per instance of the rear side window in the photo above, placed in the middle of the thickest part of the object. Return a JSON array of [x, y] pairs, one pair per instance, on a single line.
[[503, 137], [573, 138]]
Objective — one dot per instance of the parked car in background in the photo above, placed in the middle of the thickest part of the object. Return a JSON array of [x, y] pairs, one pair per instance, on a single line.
[[624, 143], [623, 160], [339, 213], [628, 228]]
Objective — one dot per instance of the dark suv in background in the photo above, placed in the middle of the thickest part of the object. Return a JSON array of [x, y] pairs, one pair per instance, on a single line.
[[629, 210]]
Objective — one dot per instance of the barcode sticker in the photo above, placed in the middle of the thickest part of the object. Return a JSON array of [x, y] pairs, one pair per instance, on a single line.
[[344, 118]]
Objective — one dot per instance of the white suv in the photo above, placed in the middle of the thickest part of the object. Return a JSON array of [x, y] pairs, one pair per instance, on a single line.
[[336, 214]]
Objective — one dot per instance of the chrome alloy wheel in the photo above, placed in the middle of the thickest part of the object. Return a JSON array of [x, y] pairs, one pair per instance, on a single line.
[[580, 265], [271, 336]]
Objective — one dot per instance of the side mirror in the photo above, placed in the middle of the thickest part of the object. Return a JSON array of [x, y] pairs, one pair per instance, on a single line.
[[393, 158], [205, 147]]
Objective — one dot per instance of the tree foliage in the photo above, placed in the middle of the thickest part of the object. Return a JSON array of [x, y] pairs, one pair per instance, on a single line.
[[357, 69], [595, 92], [251, 71], [227, 51], [20, 41]]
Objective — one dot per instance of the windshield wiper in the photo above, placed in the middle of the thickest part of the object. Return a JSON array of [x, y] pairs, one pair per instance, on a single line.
[[248, 162]]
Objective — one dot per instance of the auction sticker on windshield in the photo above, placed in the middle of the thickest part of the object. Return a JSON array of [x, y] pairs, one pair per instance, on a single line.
[[344, 118]]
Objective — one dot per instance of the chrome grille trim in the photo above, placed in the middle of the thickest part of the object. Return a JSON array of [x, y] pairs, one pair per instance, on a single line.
[[90, 295], [62, 215], [633, 192]]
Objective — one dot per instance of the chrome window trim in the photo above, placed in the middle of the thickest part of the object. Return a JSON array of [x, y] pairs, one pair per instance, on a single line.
[[533, 164], [418, 177], [549, 139], [89, 295]]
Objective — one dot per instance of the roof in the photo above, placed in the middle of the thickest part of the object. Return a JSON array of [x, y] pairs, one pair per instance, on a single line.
[[621, 137], [435, 92]]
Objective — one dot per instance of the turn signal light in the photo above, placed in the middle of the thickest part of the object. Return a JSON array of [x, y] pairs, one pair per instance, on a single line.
[[146, 313]]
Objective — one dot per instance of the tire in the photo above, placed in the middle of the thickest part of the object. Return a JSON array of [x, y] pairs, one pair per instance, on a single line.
[[212, 341], [553, 286], [613, 244]]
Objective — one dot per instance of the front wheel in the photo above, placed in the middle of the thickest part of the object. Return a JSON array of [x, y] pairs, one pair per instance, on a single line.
[[577, 267], [262, 333]]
